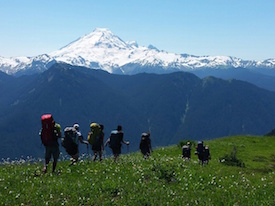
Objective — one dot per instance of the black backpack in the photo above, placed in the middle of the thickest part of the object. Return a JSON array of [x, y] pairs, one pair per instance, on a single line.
[[145, 141], [186, 151], [69, 140], [200, 148], [207, 153], [116, 139]]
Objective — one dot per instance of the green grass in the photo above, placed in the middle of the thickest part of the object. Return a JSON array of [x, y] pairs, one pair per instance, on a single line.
[[164, 179]]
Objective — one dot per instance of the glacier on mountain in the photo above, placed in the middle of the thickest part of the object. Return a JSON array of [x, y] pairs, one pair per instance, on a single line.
[[101, 49]]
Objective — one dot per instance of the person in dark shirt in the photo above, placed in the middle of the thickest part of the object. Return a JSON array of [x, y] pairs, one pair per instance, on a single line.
[[115, 140], [145, 145], [186, 151]]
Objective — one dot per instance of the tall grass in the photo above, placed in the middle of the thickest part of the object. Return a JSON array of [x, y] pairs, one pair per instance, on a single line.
[[163, 179]]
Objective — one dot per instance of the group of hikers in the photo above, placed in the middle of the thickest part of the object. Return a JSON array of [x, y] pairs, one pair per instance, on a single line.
[[51, 132], [202, 151]]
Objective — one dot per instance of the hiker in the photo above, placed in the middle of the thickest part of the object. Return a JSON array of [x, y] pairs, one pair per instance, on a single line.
[[49, 134], [96, 138], [206, 154], [186, 151], [199, 151], [145, 145], [115, 140], [72, 136]]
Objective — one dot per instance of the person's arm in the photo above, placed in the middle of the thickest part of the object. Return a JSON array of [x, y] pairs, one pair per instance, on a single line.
[[125, 142], [80, 138], [122, 139], [107, 142]]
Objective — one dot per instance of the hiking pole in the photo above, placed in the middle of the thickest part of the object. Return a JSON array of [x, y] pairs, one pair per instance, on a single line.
[[88, 152], [104, 154]]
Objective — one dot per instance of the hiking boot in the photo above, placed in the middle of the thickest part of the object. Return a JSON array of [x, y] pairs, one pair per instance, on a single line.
[[44, 171]]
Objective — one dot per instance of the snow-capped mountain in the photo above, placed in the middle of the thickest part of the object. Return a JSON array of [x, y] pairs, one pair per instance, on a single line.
[[25, 65], [101, 49]]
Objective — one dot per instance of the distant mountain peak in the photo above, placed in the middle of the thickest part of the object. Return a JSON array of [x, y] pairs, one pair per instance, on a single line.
[[102, 30], [99, 38], [103, 37]]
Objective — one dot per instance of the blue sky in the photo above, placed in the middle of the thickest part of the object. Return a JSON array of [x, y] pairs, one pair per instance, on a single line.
[[239, 28]]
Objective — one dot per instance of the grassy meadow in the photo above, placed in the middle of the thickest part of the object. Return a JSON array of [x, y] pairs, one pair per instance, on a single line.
[[163, 179]]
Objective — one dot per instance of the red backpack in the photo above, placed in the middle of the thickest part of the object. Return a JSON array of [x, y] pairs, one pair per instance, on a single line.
[[47, 132]]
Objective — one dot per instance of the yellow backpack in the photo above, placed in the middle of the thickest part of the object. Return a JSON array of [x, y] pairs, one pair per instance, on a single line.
[[94, 133]]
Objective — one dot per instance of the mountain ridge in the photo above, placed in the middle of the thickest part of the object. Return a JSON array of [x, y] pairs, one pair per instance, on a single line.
[[101, 49], [171, 106]]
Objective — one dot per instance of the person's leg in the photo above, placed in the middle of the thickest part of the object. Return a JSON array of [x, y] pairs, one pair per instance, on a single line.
[[47, 158], [56, 153], [54, 165], [117, 153], [100, 155], [114, 153], [74, 159], [143, 153], [95, 155], [147, 153], [116, 157]]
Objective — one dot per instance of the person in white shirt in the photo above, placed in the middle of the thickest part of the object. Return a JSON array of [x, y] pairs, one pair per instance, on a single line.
[[79, 138]]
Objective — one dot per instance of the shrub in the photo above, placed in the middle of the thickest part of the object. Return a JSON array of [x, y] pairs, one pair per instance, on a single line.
[[272, 158], [164, 171], [271, 133], [232, 159]]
